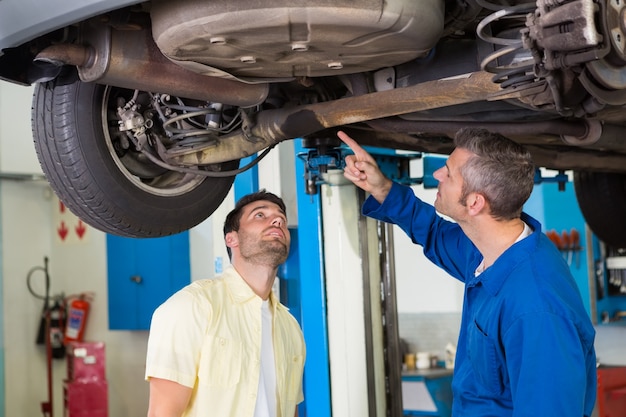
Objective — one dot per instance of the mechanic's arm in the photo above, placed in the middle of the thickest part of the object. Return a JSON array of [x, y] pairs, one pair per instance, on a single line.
[[167, 398], [362, 169]]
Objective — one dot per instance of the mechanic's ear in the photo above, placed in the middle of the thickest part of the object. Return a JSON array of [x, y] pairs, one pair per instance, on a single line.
[[476, 203], [232, 239]]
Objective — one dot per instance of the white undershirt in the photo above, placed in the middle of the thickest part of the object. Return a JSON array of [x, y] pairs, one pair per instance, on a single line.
[[266, 396], [525, 233]]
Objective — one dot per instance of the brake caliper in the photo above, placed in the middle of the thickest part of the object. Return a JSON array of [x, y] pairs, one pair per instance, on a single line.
[[133, 122], [563, 34]]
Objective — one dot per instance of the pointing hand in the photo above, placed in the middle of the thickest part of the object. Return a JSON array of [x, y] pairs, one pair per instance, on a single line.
[[362, 169]]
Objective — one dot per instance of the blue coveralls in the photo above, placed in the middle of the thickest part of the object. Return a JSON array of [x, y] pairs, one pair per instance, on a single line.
[[525, 347]]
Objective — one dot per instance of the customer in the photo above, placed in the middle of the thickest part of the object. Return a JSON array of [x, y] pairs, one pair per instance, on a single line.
[[525, 346], [226, 346]]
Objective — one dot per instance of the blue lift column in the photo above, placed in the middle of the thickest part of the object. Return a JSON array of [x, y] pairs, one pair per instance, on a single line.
[[316, 383], [247, 182]]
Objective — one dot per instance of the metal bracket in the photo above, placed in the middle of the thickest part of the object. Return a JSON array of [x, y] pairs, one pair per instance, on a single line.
[[319, 165]]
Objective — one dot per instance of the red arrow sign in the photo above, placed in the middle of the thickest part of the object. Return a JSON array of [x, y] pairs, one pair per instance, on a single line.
[[62, 230], [80, 229]]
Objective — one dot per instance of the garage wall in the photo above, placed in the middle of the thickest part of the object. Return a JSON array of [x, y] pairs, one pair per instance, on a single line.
[[29, 217], [423, 287], [25, 241], [29, 213]]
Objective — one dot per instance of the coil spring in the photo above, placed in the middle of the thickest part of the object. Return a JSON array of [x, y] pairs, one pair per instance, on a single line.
[[515, 73]]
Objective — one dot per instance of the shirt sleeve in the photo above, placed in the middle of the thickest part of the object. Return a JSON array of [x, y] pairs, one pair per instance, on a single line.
[[443, 241], [176, 337]]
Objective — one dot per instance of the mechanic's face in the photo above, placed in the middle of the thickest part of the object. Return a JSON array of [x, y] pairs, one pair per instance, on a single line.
[[448, 201], [263, 236]]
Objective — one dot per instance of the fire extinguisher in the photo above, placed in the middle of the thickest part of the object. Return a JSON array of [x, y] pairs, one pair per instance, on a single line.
[[77, 313]]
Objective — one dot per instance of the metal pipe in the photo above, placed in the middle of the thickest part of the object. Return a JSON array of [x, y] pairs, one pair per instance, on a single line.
[[66, 54], [274, 126], [130, 59], [570, 128]]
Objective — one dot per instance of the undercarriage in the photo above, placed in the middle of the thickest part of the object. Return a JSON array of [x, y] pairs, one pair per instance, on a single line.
[[181, 91]]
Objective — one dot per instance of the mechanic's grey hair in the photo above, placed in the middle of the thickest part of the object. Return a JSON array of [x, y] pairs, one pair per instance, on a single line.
[[501, 170], [234, 217]]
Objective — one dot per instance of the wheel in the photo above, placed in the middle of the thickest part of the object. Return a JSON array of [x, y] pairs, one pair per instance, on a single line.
[[104, 181], [602, 200]]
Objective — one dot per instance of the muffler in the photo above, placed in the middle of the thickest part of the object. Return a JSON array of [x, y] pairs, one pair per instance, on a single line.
[[130, 59]]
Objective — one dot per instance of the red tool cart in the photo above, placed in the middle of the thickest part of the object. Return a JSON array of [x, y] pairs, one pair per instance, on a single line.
[[85, 391], [611, 400]]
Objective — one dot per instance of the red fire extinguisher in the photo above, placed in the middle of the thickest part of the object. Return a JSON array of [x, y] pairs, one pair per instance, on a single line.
[[77, 314]]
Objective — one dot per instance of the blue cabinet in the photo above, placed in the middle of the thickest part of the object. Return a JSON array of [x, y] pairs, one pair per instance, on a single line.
[[142, 273], [427, 392]]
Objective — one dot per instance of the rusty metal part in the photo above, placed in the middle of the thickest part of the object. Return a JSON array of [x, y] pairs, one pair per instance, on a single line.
[[576, 129], [584, 133], [66, 54], [590, 137], [576, 160], [567, 157], [274, 126], [130, 59]]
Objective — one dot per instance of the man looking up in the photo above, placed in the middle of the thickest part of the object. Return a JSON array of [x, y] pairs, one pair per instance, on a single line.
[[226, 346], [526, 343]]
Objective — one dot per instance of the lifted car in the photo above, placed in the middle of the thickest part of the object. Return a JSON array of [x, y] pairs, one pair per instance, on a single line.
[[143, 110]]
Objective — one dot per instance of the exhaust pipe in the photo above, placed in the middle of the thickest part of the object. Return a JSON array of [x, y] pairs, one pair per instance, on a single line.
[[130, 59], [270, 127]]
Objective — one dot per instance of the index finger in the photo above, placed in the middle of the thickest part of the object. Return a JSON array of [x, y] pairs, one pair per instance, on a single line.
[[359, 152]]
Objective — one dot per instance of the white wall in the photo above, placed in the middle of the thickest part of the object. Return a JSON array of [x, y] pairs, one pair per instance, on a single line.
[[28, 236], [421, 286], [25, 242], [28, 210]]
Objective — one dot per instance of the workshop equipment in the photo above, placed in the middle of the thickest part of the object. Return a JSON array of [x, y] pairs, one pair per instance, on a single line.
[[78, 311], [51, 329], [568, 243], [85, 391], [611, 398]]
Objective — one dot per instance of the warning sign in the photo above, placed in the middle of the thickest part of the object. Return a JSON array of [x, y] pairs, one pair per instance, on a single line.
[[69, 229]]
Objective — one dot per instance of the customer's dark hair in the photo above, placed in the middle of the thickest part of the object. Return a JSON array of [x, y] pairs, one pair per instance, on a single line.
[[234, 217], [501, 170]]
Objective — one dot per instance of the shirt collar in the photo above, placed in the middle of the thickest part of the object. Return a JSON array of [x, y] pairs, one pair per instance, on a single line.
[[239, 289], [493, 278], [527, 231]]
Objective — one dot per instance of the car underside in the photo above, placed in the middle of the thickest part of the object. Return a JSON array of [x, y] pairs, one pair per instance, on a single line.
[[142, 114]]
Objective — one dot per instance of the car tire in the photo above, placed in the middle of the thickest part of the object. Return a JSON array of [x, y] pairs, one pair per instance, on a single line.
[[72, 130], [602, 200]]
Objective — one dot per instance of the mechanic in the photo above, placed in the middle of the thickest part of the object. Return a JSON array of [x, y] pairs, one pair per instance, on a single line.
[[526, 343], [226, 346]]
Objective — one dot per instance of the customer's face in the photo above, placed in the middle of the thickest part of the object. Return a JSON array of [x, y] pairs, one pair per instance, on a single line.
[[263, 236], [451, 185]]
